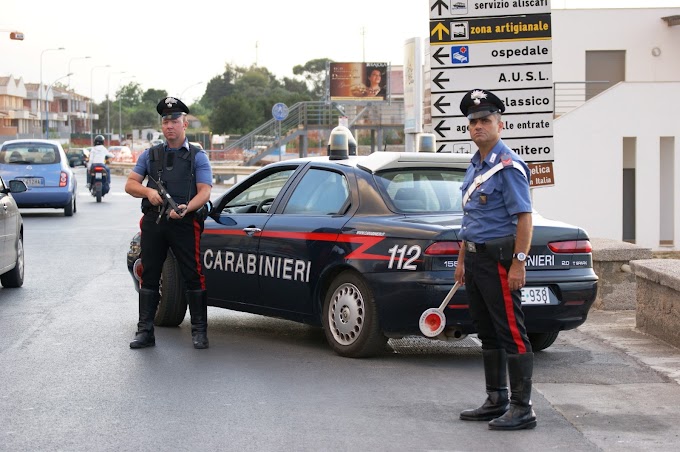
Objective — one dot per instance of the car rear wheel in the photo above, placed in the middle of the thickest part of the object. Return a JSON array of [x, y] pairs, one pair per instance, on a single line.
[[350, 318], [541, 341], [15, 277], [173, 304], [70, 208]]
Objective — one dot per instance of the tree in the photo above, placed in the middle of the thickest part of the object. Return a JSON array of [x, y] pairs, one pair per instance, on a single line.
[[131, 94], [153, 96], [315, 72], [235, 114]]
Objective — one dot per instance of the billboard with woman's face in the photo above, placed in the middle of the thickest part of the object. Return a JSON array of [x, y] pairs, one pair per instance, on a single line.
[[358, 81]]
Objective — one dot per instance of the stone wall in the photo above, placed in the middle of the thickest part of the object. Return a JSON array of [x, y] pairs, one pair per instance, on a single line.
[[658, 298], [616, 288]]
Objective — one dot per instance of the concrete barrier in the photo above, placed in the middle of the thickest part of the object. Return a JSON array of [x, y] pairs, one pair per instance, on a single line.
[[658, 298], [222, 173], [616, 288]]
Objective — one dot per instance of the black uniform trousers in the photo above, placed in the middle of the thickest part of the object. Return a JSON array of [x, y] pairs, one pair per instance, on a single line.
[[496, 310], [183, 237]]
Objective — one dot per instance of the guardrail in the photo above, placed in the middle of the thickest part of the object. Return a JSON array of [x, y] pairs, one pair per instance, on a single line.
[[221, 173]]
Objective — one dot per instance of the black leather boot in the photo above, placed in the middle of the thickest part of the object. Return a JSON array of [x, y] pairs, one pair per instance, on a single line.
[[520, 415], [496, 403], [198, 308], [148, 303]]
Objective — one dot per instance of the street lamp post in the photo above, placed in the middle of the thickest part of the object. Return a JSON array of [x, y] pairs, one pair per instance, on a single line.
[[91, 101], [70, 123], [108, 105], [40, 88], [47, 95], [190, 86], [120, 109]]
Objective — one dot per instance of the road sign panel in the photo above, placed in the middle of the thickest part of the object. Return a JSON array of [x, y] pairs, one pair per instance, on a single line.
[[491, 54], [492, 78], [516, 126], [516, 101], [539, 149], [280, 111], [443, 9], [491, 29]]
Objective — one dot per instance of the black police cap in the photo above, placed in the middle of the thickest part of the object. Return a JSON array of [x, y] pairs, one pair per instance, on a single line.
[[172, 107], [478, 103]]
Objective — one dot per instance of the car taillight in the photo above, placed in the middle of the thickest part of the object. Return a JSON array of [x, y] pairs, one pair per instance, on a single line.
[[443, 248], [137, 269], [63, 179], [571, 246]]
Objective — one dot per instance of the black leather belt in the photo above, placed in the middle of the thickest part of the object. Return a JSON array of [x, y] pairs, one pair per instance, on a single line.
[[154, 209], [472, 247]]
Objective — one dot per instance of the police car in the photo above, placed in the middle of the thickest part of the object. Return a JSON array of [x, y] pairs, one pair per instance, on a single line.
[[362, 246]]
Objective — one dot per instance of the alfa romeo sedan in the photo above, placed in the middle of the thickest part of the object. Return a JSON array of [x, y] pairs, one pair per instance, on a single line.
[[363, 245]]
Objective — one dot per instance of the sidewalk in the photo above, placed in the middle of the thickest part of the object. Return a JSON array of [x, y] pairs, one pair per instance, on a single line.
[[617, 328]]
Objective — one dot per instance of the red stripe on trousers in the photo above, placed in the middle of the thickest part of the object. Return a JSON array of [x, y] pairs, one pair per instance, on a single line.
[[510, 310], [197, 252]]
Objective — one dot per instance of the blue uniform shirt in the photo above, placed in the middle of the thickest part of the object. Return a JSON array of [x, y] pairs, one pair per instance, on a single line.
[[491, 212], [202, 164]]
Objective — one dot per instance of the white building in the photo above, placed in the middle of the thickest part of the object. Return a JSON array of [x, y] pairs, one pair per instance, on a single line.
[[617, 155]]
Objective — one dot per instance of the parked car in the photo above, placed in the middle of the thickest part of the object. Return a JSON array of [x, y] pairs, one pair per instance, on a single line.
[[43, 166], [121, 153], [77, 157], [362, 246], [12, 244]]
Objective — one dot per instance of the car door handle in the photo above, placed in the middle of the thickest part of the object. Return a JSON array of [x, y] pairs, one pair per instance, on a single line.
[[252, 231]]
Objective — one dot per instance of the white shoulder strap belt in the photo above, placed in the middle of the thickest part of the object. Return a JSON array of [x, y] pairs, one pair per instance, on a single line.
[[479, 180]]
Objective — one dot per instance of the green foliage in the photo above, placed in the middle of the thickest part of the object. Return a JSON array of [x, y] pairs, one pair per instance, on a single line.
[[153, 96], [235, 114], [130, 94], [236, 101], [315, 72]]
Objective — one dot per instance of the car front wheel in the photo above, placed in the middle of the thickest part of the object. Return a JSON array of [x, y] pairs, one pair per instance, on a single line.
[[15, 277], [350, 318], [173, 304]]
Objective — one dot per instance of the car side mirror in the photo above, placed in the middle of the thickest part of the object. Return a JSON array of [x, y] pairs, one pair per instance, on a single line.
[[17, 186]]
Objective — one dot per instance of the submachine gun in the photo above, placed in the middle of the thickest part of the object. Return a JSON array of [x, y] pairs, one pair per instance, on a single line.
[[167, 200]]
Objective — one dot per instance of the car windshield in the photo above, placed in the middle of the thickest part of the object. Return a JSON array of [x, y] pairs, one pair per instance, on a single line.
[[29, 153], [422, 190]]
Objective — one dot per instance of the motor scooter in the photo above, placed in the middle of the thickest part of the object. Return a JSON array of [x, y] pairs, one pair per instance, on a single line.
[[99, 181]]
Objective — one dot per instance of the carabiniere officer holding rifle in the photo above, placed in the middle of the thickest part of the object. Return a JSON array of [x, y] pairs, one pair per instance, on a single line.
[[184, 170], [496, 230]]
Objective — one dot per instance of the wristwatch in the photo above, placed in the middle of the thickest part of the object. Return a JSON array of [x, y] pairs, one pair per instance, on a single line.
[[520, 257]]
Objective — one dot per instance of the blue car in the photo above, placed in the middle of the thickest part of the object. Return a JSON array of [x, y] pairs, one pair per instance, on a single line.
[[43, 166]]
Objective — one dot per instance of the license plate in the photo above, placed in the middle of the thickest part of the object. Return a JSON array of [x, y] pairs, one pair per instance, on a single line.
[[535, 295], [33, 181], [98, 175]]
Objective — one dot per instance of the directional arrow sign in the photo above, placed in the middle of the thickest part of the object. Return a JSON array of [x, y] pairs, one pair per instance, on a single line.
[[491, 29], [491, 54], [516, 126], [493, 78], [516, 101], [529, 149], [443, 9]]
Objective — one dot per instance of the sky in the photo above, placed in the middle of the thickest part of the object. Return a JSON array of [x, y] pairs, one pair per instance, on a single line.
[[179, 46]]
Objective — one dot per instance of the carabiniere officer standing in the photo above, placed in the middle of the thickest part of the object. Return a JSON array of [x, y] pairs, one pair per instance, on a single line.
[[497, 231], [185, 172]]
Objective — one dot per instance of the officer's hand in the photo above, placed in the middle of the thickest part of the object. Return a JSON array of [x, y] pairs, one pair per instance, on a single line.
[[516, 275], [459, 275], [154, 197], [175, 216]]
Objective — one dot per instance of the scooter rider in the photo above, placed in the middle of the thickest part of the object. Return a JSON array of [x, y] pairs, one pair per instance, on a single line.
[[99, 155]]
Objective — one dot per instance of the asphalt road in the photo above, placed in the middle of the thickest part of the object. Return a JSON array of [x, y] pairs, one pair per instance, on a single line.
[[69, 381]]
